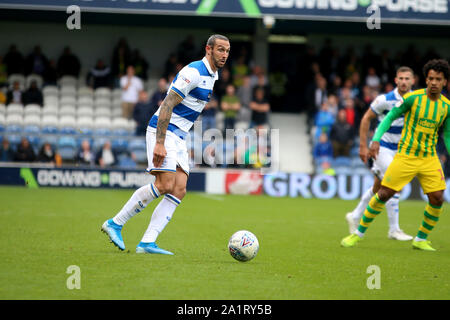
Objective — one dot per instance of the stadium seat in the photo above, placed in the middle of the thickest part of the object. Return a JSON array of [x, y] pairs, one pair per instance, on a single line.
[[116, 112], [67, 125], [121, 127], [49, 124], [116, 94], [343, 170], [98, 142], [14, 140], [119, 145], [102, 103], [52, 139], [102, 126], [34, 77], [50, 91], [341, 162], [2, 109], [68, 81], [85, 92], [2, 123], [117, 103], [35, 141], [53, 100], [85, 111], [17, 77], [67, 99], [138, 147], [67, 110], [67, 147], [242, 125], [356, 162], [14, 108], [32, 109], [85, 100], [32, 120], [50, 109], [102, 112], [354, 152], [125, 161], [102, 92]]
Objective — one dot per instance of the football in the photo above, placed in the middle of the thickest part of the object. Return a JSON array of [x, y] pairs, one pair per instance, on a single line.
[[243, 245]]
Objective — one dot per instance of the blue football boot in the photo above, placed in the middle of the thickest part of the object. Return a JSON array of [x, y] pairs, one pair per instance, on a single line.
[[113, 231], [150, 247]]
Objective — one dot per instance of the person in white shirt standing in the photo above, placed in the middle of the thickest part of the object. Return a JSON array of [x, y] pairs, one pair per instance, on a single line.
[[131, 86], [168, 158]]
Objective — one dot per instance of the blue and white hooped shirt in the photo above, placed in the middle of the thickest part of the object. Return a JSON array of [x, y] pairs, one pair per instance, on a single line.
[[194, 83]]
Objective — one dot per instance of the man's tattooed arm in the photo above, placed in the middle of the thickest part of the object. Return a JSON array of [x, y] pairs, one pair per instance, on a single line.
[[171, 100]]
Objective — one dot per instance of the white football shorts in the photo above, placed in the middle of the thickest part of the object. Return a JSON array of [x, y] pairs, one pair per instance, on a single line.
[[177, 154], [384, 159]]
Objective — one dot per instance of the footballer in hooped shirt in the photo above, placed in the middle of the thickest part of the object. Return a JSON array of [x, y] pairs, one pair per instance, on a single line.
[[168, 159]]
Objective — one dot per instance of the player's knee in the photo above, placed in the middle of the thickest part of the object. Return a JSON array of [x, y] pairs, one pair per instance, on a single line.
[[384, 194], [436, 198], [165, 186], [179, 192]]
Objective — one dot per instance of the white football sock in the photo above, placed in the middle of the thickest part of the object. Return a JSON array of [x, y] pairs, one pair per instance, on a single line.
[[160, 217], [362, 205], [138, 201], [392, 213]]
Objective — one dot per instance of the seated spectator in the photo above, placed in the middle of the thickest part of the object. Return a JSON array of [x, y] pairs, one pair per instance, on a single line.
[[85, 156], [14, 61], [260, 109], [99, 76], [140, 64], [159, 95], [33, 95], [14, 95], [245, 94], [50, 75], [68, 64], [230, 105], [342, 135], [3, 73], [142, 113], [372, 79], [36, 62], [209, 114], [323, 121], [323, 150], [106, 157], [316, 95], [24, 152], [131, 86], [333, 104], [349, 107], [48, 155], [6, 151]]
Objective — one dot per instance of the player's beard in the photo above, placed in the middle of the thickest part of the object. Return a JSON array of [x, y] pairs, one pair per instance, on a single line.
[[218, 63]]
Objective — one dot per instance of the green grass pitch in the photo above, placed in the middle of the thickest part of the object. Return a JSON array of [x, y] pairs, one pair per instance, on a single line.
[[43, 231]]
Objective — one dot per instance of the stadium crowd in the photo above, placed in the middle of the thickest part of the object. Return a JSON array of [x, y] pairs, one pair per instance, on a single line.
[[335, 91]]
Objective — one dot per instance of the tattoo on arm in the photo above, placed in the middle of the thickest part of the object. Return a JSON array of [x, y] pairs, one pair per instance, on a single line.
[[165, 113]]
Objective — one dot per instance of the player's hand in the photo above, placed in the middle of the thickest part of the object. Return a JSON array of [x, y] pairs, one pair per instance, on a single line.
[[374, 149], [364, 153], [159, 153]]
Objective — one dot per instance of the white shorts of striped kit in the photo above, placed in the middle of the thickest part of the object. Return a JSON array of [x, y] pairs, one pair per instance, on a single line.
[[177, 154]]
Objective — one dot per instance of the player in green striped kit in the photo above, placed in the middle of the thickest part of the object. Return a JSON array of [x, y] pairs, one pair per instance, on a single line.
[[425, 111]]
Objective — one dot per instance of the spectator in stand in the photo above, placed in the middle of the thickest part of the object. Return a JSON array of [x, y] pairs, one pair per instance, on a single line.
[[106, 157], [262, 83], [169, 66], [3, 73], [222, 83], [323, 150], [48, 155], [159, 95], [245, 95], [316, 95], [6, 151], [260, 109], [142, 113], [140, 64], [120, 60], [336, 84], [131, 86], [14, 61], [50, 75], [68, 64], [33, 95], [373, 80], [85, 156], [36, 62], [342, 135], [187, 50], [257, 73], [2, 97], [333, 104], [323, 121], [14, 95], [24, 152], [209, 114], [349, 107], [239, 70], [99, 76], [230, 105]]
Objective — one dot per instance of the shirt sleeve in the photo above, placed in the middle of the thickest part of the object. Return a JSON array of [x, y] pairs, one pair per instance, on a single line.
[[447, 134], [187, 79], [396, 112], [379, 105]]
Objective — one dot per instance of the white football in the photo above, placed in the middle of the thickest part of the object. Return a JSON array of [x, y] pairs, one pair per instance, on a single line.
[[243, 245]]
